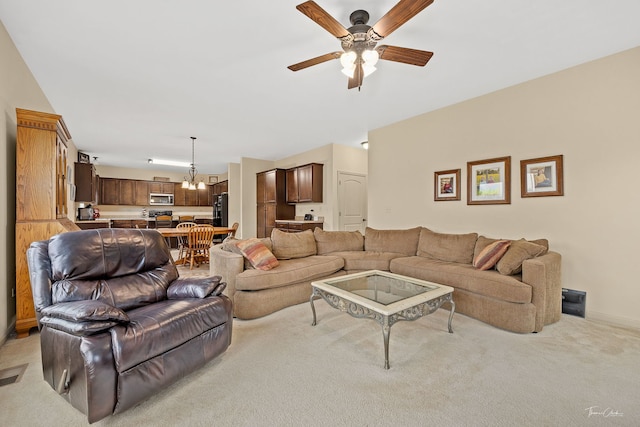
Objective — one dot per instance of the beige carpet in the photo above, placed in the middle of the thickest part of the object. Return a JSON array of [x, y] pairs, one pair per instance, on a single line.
[[281, 371]]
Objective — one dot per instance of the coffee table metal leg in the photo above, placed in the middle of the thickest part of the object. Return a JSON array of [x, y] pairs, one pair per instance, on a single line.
[[453, 309], [313, 308], [386, 330]]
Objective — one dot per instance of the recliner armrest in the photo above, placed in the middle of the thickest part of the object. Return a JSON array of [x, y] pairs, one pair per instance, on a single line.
[[195, 287]]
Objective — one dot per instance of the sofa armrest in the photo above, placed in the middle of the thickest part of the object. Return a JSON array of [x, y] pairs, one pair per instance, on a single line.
[[226, 264], [543, 273]]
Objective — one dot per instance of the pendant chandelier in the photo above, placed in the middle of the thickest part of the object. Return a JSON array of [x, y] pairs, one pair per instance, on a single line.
[[190, 181]]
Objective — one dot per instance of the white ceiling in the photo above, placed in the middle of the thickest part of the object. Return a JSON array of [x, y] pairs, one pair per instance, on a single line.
[[136, 79]]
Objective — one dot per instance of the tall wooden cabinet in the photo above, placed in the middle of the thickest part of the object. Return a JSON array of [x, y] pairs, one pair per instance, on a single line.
[[41, 197], [271, 201]]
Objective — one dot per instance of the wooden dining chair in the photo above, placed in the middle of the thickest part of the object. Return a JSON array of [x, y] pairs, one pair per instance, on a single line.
[[234, 228], [183, 240], [198, 244], [186, 218], [165, 221]]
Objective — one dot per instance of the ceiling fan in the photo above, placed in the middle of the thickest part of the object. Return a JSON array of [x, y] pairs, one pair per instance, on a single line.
[[359, 41]]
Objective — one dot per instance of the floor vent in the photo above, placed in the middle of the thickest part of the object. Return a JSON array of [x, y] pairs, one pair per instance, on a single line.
[[12, 375]]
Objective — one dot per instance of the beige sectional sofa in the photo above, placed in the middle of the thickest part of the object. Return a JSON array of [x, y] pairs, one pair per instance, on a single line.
[[522, 293]]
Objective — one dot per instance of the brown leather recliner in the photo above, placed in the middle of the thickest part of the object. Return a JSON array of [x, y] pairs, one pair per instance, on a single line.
[[116, 322]]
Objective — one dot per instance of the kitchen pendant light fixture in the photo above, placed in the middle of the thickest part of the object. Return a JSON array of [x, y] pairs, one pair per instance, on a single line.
[[190, 181]]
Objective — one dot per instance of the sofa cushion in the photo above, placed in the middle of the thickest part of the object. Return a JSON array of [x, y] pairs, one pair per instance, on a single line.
[[257, 253], [289, 272], [338, 241], [180, 320], [491, 254], [400, 241], [447, 247], [84, 311], [366, 260], [193, 287], [489, 283], [293, 245], [519, 251]]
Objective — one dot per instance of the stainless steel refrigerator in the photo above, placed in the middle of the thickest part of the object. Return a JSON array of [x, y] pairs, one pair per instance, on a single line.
[[221, 211]]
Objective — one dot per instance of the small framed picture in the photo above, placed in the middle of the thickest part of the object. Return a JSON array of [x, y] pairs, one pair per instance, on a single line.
[[541, 177], [489, 181], [446, 185], [83, 158], [213, 179]]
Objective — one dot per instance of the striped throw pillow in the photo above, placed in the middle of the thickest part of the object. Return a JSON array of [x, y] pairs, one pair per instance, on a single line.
[[258, 254], [491, 254]]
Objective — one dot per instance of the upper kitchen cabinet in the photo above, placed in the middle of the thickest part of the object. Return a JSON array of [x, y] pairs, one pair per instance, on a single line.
[[220, 187], [304, 184], [86, 182], [161, 187], [127, 192]]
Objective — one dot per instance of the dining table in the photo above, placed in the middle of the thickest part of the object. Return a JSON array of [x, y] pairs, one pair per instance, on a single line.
[[184, 232]]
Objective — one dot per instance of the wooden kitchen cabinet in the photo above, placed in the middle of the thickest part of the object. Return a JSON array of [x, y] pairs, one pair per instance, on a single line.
[[271, 201], [205, 197], [127, 190], [161, 187], [86, 181], [41, 197], [109, 191], [304, 184], [141, 193]]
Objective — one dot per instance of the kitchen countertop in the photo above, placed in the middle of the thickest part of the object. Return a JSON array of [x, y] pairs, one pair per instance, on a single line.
[[137, 218], [299, 221]]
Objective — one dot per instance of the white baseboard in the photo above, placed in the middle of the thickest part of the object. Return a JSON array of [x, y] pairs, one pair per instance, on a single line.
[[623, 322]]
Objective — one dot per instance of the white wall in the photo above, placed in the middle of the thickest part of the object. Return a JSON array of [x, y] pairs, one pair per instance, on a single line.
[[589, 114]]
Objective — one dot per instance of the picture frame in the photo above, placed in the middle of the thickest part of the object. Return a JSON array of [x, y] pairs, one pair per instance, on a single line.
[[446, 185], [542, 177], [83, 158], [213, 179], [489, 181]]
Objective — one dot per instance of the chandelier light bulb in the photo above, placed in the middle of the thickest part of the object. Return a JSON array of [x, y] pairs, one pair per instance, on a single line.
[[370, 57]]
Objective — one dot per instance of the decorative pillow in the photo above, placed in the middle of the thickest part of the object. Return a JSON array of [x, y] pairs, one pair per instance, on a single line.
[[293, 245], [518, 252], [192, 287], [447, 247], [230, 244], [258, 254], [338, 241], [85, 311], [491, 254]]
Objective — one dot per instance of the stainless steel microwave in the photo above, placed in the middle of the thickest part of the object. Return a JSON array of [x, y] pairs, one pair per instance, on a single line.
[[160, 199]]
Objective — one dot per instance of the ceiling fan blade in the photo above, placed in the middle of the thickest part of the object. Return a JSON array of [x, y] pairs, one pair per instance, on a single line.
[[358, 76], [404, 55], [315, 61], [326, 21], [398, 15]]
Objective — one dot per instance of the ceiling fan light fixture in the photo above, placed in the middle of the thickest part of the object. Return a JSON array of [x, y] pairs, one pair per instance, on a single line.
[[348, 59], [370, 57], [367, 69], [348, 71]]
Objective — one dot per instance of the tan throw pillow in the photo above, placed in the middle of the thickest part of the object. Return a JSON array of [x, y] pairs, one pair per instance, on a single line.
[[447, 247], [257, 253], [491, 254], [338, 241], [518, 252], [293, 245]]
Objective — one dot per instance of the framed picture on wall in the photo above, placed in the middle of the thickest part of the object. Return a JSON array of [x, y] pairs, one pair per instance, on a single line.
[[83, 158], [446, 185], [489, 181], [541, 177]]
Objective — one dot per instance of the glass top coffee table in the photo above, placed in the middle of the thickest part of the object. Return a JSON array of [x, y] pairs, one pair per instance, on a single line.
[[384, 297]]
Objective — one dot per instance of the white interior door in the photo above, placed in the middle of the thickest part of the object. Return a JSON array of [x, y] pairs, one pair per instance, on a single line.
[[352, 202]]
